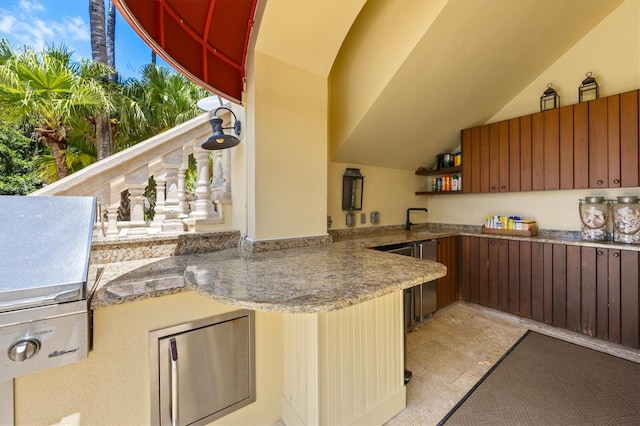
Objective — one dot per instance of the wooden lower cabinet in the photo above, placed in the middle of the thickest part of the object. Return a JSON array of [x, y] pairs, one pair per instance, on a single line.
[[447, 253], [590, 290]]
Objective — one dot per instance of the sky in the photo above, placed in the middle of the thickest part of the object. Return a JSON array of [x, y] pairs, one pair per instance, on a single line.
[[37, 23]]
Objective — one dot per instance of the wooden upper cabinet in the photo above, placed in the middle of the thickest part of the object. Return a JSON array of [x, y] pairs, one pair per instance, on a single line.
[[593, 144], [598, 146], [629, 139]]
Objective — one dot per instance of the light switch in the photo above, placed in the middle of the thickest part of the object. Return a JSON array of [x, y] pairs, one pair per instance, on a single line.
[[363, 218]]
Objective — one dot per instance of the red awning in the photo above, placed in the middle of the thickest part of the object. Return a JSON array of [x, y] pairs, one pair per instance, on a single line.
[[206, 40]]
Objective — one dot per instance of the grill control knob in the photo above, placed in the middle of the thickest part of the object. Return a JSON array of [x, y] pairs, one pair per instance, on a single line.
[[24, 349]]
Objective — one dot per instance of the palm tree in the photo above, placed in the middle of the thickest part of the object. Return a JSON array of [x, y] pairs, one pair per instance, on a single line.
[[100, 49], [160, 100], [51, 92]]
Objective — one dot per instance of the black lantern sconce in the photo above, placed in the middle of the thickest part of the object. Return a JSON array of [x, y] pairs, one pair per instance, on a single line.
[[549, 99], [352, 190], [588, 90], [221, 140]]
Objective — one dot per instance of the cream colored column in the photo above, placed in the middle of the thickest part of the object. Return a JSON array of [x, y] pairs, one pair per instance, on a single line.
[[204, 216], [159, 211]]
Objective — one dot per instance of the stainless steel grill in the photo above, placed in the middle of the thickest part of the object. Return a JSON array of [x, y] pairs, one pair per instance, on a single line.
[[45, 244]]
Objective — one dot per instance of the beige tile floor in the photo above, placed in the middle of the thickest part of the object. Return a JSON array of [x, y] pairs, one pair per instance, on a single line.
[[450, 352]]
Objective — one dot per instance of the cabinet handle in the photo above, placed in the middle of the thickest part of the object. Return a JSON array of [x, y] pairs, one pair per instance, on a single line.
[[503, 187], [616, 254], [616, 181], [600, 182], [173, 354], [600, 252], [501, 243], [492, 242], [493, 188]]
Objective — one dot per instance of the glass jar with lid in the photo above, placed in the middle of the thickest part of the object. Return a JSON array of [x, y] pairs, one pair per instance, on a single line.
[[593, 215], [626, 220]]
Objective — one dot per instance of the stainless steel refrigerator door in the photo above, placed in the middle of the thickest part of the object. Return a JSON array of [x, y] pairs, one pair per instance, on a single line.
[[206, 372]]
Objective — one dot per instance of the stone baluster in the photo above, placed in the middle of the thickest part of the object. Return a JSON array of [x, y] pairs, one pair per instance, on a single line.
[[217, 185], [182, 195], [172, 209], [112, 219], [205, 214], [159, 209], [136, 182], [204, 206]]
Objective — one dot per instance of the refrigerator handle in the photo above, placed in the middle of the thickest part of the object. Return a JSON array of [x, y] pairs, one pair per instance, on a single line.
[[173, 353]]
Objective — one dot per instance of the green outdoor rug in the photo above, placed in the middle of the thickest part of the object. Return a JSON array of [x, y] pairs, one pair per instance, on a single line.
[[545, 381]]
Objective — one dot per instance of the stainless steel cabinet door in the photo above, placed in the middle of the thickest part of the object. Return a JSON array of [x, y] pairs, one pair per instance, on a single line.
[[206, 372]]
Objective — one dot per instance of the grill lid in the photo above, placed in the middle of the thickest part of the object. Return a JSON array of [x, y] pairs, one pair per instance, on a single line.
[[45, 244]]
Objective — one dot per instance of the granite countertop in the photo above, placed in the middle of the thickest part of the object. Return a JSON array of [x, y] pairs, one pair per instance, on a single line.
[[296, 280]]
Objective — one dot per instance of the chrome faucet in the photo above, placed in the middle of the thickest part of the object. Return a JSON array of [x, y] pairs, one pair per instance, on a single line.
[[408, 224]]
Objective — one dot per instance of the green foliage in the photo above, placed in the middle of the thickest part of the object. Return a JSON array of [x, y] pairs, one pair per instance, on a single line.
[[17, 168]]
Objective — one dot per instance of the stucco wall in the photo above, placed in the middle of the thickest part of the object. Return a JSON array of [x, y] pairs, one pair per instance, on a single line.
[[112, 386]]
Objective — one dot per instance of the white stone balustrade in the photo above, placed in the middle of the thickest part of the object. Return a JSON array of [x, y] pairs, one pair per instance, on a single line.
[[165, 157]]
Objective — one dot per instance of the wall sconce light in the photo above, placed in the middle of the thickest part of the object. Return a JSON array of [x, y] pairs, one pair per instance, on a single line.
[[549, 99], [221, 140], [352, 189], [588, 90]]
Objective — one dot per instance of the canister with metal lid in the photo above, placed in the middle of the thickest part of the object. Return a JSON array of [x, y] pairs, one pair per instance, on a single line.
[[593, 215], [626, 220]]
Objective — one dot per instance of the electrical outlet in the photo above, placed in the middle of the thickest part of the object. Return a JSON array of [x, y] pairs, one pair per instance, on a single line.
[[363, 218]]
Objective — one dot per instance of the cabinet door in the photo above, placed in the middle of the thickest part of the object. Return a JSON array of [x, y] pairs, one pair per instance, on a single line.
[[525, 279], [513, 279], [467, 164], [598, 149], [574, 288], [514, 155], [581, 146], [494, 274], [629, 140], [476, 162], [566, 147], [494, 157], [485, 159], [613, 141], [465, 269], [537, 151], [447, 286], [551, 137], [483, 271], [537, 281], [559, 298], [503, 156], [525, 153], [588, 280], [629, 301]]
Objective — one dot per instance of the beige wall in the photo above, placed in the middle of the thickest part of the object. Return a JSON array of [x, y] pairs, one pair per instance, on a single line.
[[286, 160], [112, 386], [611, 51], [388, 191]]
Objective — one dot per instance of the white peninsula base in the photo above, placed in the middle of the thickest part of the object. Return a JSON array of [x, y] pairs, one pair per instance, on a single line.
[[345, 366]]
